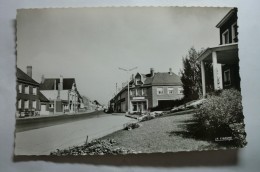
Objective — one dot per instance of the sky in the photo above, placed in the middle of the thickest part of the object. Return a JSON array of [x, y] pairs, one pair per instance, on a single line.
[[90, 44]]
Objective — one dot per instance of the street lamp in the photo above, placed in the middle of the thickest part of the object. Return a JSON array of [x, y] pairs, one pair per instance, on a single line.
[[128, 95]]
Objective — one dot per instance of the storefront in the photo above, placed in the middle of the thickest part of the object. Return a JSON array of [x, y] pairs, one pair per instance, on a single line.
[[139, 104]]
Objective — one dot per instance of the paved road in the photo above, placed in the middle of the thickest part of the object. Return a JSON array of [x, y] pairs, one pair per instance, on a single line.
[[26, 124], [44, 140]]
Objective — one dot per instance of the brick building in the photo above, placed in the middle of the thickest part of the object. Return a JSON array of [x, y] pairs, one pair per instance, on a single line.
[[28, 102], [148, 91]]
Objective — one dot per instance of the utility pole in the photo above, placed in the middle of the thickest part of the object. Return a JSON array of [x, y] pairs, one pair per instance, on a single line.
[[128, 80], [116, 88]]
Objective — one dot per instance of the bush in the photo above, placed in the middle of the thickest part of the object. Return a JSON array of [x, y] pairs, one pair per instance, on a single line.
[[130, 126], [220, 116], [146, 118]]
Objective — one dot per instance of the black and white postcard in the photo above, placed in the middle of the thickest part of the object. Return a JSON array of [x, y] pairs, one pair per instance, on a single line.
[[127, 80]]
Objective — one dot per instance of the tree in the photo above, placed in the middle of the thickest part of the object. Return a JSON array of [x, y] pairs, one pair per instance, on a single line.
[[191, 75]]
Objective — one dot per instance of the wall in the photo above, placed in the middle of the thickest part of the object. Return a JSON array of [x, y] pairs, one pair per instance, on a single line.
[[46, 110], [226, 26], [165, 96], [234, 75], [24, 96]]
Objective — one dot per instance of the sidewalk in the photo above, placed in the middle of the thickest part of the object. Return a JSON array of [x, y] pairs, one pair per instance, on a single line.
[[55, 115]]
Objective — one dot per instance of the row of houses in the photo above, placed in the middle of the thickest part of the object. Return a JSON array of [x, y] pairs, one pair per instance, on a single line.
[[147, 91], [50, 96]]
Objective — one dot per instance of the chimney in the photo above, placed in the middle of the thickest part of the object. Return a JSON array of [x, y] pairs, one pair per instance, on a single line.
[[43, 79], [152, 71], [61, 82], [29, 71], [170, 71]]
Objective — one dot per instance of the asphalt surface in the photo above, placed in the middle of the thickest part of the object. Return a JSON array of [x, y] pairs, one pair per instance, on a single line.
[[35, 123], [64, 134]]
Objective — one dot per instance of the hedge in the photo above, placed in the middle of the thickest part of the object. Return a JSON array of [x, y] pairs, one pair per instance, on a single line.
[[220, 118]]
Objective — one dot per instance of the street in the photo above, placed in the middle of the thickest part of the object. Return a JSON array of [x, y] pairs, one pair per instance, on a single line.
[[42, 141], [24, 124]]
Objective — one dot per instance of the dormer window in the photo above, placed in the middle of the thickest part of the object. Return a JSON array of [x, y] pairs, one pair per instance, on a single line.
[[225, 37], [138, 79]]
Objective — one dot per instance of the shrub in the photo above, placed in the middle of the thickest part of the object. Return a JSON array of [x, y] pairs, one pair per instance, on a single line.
[[220, 116], [146, 118], [130, 126]]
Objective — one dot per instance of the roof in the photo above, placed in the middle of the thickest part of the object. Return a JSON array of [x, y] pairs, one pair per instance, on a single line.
[[23, 77], [226, 17], [165, 79], [221, 48], [48, 83], [43, 98], [159, 79]]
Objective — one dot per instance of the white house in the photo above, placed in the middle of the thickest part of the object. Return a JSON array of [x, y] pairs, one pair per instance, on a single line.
[[62, 94]]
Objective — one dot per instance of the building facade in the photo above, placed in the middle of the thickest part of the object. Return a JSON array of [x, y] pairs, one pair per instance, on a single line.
[[147, 91], [28, 102], [62, 94], [224, 58]]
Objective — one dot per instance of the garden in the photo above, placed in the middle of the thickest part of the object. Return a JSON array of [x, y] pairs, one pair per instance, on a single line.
[[218, 123], [220, 119]]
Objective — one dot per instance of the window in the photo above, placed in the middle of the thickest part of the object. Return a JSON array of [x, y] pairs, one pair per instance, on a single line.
[[138, 80], [234, 32], [26, 89], [227, 79], [26, 104], [170, 90], [34, 91], [180, 90], [159, 91], [34, 104], [132, 92], [51, 105], [139, 92], [20, 88], [225, 37], [144, 91], [19, 104]]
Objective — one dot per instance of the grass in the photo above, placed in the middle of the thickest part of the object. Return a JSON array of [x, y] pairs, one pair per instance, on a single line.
[[167, 134]]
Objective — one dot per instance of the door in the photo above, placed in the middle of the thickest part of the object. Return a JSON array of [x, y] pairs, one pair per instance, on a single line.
[[140, 107], [43, 110]]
